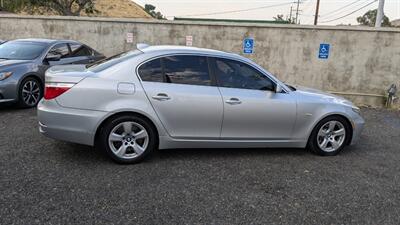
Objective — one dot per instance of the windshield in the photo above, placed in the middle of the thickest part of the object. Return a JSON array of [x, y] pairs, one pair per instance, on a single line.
[[21, 50], [111, 61]]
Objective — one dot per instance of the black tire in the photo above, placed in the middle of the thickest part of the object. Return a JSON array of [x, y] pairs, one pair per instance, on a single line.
[[34, 97], [313, 140], [103, 138]]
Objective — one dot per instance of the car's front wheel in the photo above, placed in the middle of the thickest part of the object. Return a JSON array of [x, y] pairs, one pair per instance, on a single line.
[[128, 139], [30, 92], [330, 136]]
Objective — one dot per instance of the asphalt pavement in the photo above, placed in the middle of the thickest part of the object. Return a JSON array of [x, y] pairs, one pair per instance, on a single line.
[[43, 181]]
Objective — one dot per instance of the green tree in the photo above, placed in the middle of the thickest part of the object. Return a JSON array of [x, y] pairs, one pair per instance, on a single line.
[[151, 10], [66, 7], [369, 19], [62, 7], [12, 5], [279, 18]]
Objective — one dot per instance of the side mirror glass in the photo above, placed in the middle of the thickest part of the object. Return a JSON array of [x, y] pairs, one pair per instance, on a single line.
[[278, 88]]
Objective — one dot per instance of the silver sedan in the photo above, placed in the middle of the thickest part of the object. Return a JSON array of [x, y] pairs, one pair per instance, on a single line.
[[161, 97]]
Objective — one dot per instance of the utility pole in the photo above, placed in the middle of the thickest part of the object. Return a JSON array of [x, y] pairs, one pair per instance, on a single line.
[[297, 10], [290, 15], [381, 13], [316, 14]]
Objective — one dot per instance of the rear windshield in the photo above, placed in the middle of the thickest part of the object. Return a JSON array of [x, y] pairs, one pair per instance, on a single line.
[[21, 50], [111, 61]]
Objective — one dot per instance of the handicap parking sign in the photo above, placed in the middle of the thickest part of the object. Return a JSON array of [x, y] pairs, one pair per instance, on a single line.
[[324, 51], [248, 46]]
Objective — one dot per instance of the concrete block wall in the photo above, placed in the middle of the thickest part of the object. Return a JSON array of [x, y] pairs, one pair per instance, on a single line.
[[363, 62]]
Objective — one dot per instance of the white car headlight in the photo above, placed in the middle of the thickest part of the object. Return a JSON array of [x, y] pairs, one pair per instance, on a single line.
[[5, 75]]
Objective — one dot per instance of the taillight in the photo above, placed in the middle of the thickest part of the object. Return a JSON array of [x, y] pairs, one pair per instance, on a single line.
[[53, 90]]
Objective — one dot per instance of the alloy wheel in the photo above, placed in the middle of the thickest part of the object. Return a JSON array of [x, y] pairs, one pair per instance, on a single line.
[[128, 140], [31, 93], [331, 136]]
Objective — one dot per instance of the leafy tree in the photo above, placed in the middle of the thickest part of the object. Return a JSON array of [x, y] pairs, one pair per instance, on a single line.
[[369, 19], [66, 7], [279, 18], [151, 10], [62, 7], [12, 5]]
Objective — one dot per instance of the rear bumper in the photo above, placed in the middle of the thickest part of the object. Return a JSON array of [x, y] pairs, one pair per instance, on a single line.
[[66, 124]]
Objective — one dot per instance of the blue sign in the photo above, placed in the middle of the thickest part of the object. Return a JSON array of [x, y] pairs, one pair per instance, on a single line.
[[324, 51], [248, 46]]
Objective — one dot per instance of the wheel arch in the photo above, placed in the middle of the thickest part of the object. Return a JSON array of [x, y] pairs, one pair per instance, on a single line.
[[124, 113], [31, 75], [348, 141]]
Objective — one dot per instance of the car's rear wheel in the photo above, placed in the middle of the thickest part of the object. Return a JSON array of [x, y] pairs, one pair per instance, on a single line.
[[128, 139], [30, 93], [330, 136]]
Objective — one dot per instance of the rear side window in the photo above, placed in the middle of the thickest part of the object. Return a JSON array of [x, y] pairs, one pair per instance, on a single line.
[[151, 71], [186, 70], [61, 50], [78, 50]]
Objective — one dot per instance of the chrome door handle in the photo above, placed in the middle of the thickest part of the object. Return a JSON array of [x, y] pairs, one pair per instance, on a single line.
[[161, 97], [233, 101]]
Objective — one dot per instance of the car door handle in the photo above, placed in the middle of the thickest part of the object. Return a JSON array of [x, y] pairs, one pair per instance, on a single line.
[[233, 101], [161, 97]]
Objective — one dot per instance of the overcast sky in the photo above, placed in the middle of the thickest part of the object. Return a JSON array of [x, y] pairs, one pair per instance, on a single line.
[[261, 10]]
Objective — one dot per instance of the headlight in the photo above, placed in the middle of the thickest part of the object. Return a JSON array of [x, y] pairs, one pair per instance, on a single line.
[[5, 75], [356, 110]]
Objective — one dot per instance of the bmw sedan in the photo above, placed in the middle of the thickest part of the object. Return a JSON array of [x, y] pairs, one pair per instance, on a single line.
[[160, 97], [23, 64]]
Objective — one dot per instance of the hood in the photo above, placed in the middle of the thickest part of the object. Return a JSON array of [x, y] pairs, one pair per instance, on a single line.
[[323, 95], [12, 62], [67, 73]]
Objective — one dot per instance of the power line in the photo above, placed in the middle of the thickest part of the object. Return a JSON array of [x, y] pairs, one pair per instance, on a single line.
[[346, 10], [337, 10], [365, 6], [240, 10]]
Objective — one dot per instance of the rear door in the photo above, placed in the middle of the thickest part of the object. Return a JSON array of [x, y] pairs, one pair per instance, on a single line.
[[183, 95]]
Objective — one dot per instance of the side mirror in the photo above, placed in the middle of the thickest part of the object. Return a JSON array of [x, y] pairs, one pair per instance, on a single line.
[[53, 57], [278, 88]]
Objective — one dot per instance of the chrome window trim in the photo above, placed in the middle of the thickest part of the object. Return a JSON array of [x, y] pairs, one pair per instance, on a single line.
[[285, 89]]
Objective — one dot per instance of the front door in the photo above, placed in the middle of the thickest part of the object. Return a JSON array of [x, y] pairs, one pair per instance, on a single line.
[[252, 109], [184, 97]]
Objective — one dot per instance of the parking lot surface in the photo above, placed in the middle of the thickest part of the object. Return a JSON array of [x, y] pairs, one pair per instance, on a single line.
[[44, 181]]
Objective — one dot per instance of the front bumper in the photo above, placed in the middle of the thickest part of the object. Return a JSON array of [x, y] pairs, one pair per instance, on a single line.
[[8, 91], [358, 125], [67, 124]]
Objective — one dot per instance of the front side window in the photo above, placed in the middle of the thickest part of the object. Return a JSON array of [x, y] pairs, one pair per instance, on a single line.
[[234, 74], [61, 50], [185, 69], [78, 50], [151, 71], [21, 50]]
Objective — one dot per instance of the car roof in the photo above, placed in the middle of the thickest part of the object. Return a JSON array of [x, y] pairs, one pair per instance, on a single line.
[[176, 49], [44, 41]]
